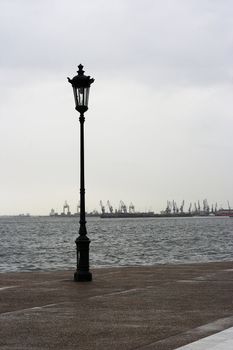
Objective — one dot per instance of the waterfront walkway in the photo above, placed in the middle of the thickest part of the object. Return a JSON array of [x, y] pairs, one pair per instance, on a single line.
[[162, 307]]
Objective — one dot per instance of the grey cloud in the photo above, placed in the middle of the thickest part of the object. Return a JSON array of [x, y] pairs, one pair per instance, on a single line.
[[156, 42]]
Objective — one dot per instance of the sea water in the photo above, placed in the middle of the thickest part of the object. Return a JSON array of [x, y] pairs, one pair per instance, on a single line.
[[47, 243]]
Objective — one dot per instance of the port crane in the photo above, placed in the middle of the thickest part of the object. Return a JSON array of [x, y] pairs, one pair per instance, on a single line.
[[190, 208], [182, 207], [102, 207], [212, 209], [206, 207], [123, 208], [175, 208], [131, 208], [110, 207], [195, 208], [66, 206], [168, 208]]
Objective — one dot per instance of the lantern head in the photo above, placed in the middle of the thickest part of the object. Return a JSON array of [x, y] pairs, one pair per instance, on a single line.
[[81, 87]]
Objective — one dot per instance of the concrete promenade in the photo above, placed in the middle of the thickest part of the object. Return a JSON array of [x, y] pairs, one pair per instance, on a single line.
[[129, 308]]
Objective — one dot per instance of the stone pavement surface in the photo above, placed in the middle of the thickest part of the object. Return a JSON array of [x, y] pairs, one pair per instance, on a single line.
[[159, 307]]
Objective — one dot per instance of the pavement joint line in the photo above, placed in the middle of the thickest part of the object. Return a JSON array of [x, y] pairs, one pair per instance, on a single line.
[[109, 273], [210, 274], [3, 288], [35, 283], [215, 327], [188, 281], [126, 291], [31, 309], [50, 281], [203, 281]]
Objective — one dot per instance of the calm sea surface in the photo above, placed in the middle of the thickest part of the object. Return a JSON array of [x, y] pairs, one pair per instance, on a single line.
[[44, 243]]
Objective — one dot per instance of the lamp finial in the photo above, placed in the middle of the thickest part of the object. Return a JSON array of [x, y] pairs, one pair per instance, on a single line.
[[80, 70]]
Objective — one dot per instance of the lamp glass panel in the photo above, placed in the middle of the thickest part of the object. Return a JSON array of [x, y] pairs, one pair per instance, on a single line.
[[83, 96], [75, 96], [86, 96]]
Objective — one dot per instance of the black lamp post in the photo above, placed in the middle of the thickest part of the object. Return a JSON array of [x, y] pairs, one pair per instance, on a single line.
[[81, 86]]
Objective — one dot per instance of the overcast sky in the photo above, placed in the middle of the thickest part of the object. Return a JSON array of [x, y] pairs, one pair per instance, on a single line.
[[160, 120]]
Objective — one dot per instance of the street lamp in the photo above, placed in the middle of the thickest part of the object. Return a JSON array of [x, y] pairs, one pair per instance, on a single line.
[[81, 86]]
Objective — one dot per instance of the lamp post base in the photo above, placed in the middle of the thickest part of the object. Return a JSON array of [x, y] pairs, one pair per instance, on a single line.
[[82, 276]]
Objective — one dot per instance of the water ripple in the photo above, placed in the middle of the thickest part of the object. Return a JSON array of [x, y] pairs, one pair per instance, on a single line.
[[43, 243]]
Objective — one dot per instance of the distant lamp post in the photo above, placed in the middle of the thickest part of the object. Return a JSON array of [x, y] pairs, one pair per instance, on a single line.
[[81, 86]]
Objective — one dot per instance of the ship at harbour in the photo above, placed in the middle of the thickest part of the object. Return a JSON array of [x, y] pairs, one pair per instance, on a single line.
[[119, 215], [108, 212], [149, 214], [224, 212]]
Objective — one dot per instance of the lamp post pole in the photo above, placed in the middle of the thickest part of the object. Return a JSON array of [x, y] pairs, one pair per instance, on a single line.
[[81, 85], [82, 230]]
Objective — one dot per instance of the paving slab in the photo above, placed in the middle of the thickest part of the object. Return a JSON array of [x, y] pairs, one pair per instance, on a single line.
[[144, 307], [220, 341]]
